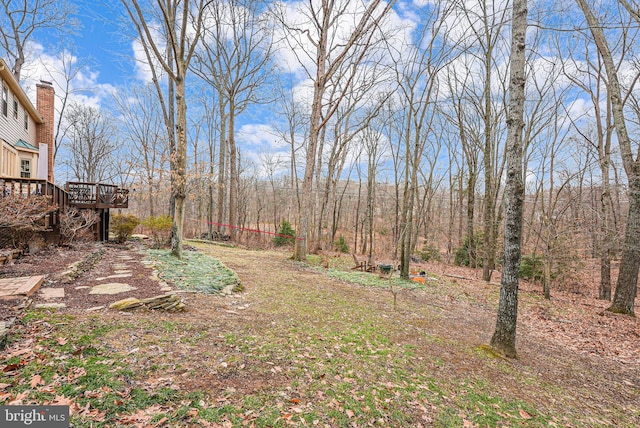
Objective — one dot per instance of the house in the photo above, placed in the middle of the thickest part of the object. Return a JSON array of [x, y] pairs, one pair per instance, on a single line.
[[27, 157], [26, 132]]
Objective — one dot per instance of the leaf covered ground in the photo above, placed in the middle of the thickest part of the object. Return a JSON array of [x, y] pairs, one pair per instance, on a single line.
[[305, 346]]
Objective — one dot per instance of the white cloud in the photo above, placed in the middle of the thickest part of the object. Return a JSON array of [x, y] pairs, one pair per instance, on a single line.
[[295, 51], [83, 87], [260, 136], [261, 145], [143, 70], [467, 20]]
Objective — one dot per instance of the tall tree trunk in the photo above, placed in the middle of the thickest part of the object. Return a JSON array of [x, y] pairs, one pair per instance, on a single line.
[[504, 336], [222, 166], [626, 287], [210, 192], [487, 241], [179, 175], [307, 196], [471, 202], [607, 235], [233, 171]]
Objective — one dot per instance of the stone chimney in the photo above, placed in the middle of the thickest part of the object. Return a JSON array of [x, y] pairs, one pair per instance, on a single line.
[[45, 99]]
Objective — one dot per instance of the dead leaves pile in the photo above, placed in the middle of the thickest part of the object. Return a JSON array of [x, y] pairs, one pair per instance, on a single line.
[[23, 382]]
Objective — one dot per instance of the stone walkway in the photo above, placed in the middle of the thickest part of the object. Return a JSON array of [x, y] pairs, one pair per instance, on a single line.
[[117, 282]]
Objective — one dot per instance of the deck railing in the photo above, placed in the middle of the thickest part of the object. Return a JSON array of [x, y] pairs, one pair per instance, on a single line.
[[77, 195], [32, 186], [97, 195]]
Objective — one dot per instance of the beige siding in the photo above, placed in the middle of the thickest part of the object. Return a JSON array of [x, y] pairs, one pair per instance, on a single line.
[[12, 129], [10, 163]]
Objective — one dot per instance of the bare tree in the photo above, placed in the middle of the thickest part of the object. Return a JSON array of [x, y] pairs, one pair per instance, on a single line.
[[141, 124], [504, 336], [234, 60], [22, 18], [334, 58], [181, 25], [626, 287], [90, 143], [468, 133], [71, 67], [591, 78], [484, 43], [417, 77]]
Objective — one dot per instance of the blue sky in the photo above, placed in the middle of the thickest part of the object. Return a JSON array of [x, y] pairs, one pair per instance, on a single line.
[[99, 39], [111, 63]]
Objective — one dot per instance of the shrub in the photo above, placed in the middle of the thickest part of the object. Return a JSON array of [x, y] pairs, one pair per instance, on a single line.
[[21, 218], [341, 245], [532, 267], [463, 256], [429, 253], [123, 225], [286, 235], [75, 224], [160, 228]]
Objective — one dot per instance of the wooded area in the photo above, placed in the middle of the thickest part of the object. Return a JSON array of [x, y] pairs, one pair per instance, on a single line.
[[382, 127], [394, 141]]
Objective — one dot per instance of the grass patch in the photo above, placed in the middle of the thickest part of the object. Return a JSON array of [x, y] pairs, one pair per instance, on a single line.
[[195, 272], [372, 280], [301, 351]]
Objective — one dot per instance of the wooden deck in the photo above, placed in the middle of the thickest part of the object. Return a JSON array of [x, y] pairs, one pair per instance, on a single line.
[[15, 288]]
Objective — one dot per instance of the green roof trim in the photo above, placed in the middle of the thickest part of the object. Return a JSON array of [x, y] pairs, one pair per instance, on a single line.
[[23, 144]]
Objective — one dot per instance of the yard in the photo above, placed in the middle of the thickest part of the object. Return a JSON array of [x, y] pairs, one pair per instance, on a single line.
[[307, 346]]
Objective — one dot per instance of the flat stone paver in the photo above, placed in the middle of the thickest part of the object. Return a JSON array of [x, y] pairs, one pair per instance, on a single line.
[[111, 288], [50, 306], [11, 288], [119, 275], [52, 293], [120, 266]]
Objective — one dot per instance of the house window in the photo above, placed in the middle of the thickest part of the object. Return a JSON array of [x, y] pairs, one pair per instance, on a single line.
[[25, 168], [26, 120], [15, 108], [5, 100]]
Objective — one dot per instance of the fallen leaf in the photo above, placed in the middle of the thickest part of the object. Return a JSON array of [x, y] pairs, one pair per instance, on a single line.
[[20, 352], [161, 422], [524, 414], [36, 380], [12, 367], [61, 341], [349, 413], [61, 400], [75, 373], [4, 386], [295, 400]]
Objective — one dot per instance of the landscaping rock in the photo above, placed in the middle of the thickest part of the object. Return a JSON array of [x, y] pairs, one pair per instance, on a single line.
[[166, 302], [111, 288]]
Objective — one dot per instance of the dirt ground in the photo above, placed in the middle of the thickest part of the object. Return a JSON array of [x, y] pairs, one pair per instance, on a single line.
[[94, 262], [570, 340]]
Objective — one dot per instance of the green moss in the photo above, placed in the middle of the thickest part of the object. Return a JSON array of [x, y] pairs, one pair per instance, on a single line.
[[196, 271], [488, 351]]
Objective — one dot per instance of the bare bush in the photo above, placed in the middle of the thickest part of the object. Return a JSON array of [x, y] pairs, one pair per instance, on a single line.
[[21, 217], [75, 224]]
